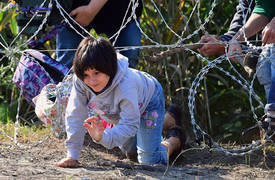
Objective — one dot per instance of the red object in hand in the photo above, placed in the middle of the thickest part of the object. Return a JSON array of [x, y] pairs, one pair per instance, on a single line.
[[107, 124]]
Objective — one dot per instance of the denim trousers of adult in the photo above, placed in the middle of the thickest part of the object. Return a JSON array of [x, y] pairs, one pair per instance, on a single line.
[[69, 39], [147, 141], [266, 74]]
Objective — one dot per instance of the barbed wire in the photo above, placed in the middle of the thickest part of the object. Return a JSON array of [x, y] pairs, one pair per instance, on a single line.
[[173, 48]]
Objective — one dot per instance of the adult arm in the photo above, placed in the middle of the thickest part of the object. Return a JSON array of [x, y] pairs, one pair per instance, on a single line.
[[243, 12], [215, 44], [84, 15], [255, 23]]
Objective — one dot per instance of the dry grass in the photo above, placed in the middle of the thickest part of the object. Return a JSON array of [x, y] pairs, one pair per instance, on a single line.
[[25, 134]]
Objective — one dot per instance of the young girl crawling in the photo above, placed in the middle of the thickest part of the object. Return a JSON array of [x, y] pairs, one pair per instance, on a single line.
[[105, 89]]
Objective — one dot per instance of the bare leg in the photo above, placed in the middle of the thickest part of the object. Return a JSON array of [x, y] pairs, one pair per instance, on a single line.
[[172, 145], [172, 117], [169, 121]]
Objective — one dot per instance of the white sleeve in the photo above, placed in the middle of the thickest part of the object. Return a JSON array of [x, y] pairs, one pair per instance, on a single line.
[[76, 113]]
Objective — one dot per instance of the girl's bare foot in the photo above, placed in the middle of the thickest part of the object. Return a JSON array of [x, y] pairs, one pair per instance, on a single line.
[[68, 163], [175, 143], [172, 145]]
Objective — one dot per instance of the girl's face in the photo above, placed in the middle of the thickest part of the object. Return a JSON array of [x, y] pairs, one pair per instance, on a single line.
[[95, 79]]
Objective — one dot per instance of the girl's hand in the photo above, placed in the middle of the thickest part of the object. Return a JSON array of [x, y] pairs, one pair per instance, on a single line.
[[95, 127], [68, 163]]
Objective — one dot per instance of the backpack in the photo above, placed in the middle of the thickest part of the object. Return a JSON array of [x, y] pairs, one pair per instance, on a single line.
[[34, 71], [51, 104]]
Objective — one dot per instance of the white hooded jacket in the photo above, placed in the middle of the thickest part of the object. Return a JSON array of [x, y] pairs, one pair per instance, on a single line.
[[122, 104]]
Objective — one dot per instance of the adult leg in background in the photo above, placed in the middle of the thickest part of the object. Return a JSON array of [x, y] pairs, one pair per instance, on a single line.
[[263, 70], [68, 39], [130, 36], [270, 56]]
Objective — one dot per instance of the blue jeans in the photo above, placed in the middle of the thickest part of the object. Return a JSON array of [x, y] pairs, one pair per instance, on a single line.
[[263, 70], [149, 135], [266, 75], [69, 39]]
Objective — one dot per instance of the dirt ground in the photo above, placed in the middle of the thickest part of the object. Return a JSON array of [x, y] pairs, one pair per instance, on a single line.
[[38, 162]]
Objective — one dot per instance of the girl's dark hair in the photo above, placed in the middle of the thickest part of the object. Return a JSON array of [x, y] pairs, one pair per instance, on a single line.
[[95, 53]]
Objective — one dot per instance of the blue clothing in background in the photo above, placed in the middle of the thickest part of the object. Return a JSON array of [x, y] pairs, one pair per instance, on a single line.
[[267, 74], [68, 39]]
